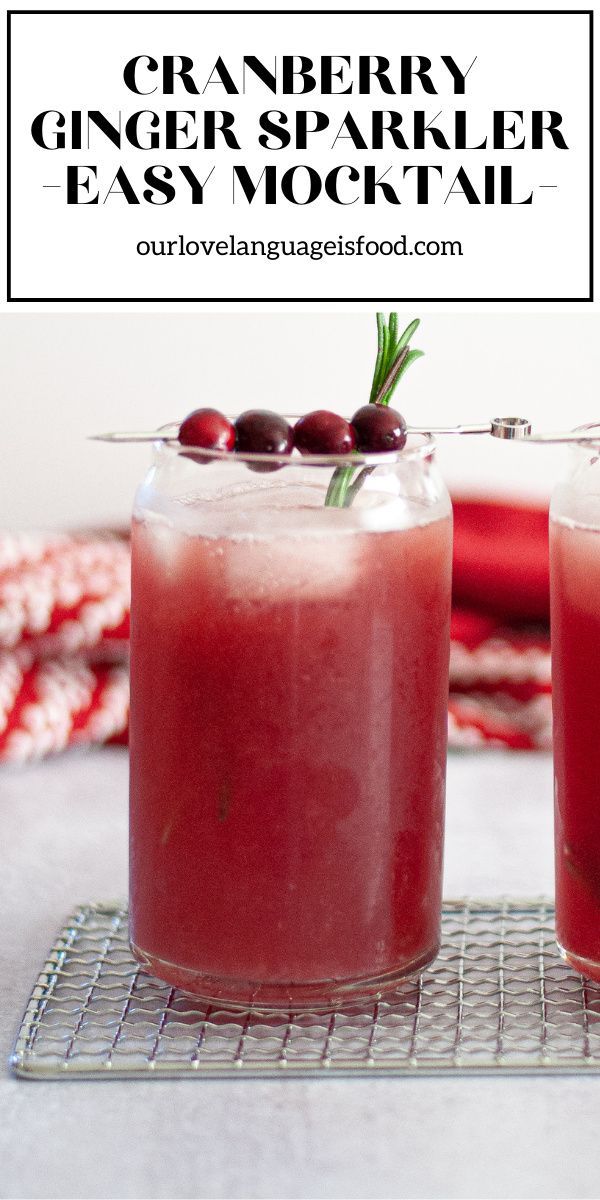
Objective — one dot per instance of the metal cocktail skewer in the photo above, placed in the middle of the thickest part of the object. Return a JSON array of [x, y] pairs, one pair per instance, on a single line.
[[132, 437], [509, 428]]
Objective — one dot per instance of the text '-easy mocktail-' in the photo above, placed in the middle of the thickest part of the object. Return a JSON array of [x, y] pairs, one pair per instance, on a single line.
[[288, 727], [575, 600]]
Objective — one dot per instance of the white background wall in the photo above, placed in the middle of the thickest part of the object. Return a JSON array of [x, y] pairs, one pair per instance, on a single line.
[[63, 377]]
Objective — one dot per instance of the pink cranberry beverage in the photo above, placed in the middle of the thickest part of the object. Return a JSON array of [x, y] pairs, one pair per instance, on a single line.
[[288, 728], [575, 598]]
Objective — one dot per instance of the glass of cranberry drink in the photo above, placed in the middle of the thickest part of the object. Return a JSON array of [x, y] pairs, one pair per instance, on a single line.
[[289, 669], [575, 619]]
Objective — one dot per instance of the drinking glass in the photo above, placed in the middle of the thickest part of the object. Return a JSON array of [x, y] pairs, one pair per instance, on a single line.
[[575, 622], [289, 676]]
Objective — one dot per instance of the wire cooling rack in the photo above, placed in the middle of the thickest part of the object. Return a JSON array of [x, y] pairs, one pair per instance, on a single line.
[[497, 998]]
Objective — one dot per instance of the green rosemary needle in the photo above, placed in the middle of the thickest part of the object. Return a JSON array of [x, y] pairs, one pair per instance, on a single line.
[[394, 357]]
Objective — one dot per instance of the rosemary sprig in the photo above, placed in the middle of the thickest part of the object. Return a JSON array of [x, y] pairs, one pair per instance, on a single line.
[[394, 357]]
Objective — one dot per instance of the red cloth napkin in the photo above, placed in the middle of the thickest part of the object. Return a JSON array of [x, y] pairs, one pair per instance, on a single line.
[[500, 639], [64, 630], [501, 559]]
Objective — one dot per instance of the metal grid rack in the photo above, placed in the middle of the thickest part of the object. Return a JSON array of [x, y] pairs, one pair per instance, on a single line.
[[497, 999]]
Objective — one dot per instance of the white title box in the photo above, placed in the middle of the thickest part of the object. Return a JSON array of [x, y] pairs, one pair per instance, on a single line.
[[300, 157]]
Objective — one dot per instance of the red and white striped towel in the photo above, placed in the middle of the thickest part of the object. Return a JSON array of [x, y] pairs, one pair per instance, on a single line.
[[500, 689], [64, 630]]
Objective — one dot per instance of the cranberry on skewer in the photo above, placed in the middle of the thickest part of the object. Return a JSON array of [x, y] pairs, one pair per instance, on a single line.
[[378, 428], [259, 431], [322, 432], [207, 429]]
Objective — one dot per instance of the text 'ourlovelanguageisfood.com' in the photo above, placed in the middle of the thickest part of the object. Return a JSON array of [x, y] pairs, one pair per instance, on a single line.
[[273, 250]]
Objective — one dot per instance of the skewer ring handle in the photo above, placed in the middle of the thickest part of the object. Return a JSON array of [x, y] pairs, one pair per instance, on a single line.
[[510, 427]]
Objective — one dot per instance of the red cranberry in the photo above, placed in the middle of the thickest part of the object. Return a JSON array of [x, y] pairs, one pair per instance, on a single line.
[[323, 432], [258, 431], [207, 429], [378, 428]]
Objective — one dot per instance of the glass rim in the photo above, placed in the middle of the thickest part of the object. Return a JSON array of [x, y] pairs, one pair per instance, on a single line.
[[408, 453], [588, 425], [589, 443]]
